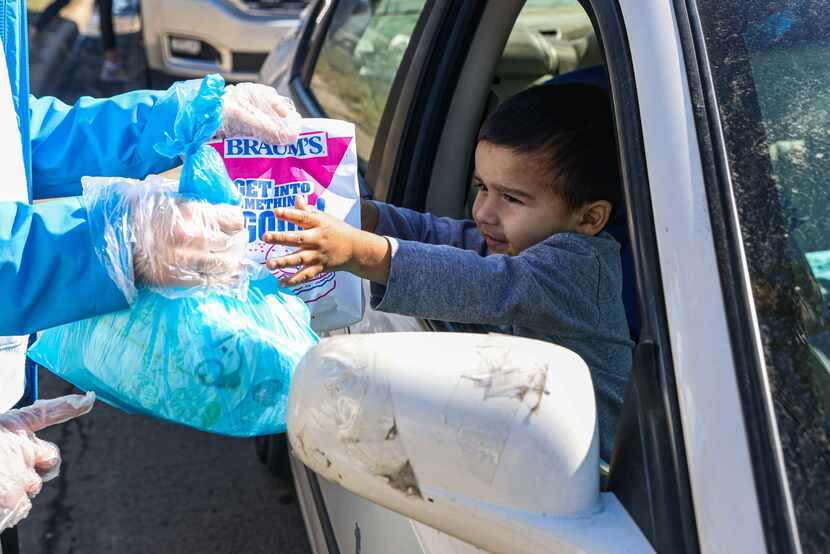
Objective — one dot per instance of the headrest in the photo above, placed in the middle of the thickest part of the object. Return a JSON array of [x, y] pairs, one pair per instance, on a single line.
[[595, 75]]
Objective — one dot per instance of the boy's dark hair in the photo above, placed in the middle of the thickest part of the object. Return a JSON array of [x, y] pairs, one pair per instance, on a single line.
[[569, 129]]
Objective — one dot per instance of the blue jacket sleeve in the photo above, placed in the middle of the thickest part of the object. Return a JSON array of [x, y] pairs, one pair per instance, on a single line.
[[49, 271], [405, 224], [99, 137]]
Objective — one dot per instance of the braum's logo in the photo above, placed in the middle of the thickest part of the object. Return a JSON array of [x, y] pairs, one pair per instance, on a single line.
[[312, 145]]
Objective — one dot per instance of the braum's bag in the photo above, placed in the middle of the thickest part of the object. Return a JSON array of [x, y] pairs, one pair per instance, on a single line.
[[322, 168], [217, 360]]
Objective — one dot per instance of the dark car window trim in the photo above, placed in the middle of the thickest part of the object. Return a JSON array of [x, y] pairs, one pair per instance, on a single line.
[[385, 125], [305, 58], [313, 42], [768, 470], [671, 474], [408, 107]]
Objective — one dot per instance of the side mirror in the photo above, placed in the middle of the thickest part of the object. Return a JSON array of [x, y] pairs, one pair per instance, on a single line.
[[489, 438]]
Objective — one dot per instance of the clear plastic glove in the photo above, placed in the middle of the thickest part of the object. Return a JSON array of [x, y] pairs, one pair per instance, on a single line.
[[181, 243], [259, 111], [26, 462], [152, 236]]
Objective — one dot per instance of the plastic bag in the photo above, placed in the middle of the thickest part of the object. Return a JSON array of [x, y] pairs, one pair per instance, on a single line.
[[214, 362], [215, 359], [321, 167]]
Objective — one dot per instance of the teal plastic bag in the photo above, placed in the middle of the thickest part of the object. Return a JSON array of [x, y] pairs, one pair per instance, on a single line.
[[214, 361], [217, 363]]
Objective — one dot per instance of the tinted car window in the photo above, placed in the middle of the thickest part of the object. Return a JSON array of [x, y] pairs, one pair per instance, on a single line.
[[361, 54], [771, 74]]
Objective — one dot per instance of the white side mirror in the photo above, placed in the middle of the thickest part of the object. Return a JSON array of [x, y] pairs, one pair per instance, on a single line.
[[489, 438]]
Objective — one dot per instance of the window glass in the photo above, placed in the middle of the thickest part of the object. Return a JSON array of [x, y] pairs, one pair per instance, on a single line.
[[771, 72], [550, 37], [360, 56]]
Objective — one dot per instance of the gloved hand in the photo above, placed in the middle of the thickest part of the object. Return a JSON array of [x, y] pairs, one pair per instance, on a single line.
[[26, 462], [256, 110], [147, 234], [181, 243]]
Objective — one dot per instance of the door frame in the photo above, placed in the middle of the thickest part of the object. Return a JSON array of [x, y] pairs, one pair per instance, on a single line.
[[401, 162]]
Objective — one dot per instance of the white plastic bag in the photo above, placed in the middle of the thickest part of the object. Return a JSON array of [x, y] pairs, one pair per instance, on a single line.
[[321, 167]]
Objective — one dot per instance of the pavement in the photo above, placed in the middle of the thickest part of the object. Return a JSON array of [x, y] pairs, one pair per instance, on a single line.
[[50, 50], [132, 484], [65, 60]]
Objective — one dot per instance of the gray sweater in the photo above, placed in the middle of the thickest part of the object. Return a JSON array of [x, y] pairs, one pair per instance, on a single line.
[[566, 289]]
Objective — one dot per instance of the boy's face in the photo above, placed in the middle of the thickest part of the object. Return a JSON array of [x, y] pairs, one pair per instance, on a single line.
[[516, 207]]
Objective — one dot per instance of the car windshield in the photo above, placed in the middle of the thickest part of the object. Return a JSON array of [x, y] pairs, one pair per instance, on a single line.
[[770, 68]]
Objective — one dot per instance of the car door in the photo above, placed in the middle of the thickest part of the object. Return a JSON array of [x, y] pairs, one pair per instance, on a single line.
[[434, 105], [688, 436], [759, 73]]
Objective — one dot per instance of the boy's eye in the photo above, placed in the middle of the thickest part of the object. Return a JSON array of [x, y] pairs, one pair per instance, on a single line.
[[480, 186], [512, 199]]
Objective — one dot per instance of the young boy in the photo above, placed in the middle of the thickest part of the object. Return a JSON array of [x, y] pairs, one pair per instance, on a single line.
[[533, 262]]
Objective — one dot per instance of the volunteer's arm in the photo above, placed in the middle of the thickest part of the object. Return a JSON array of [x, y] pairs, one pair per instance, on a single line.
[[117, 136], [49, 272], [384, 219], [73, 258], [99, 137]]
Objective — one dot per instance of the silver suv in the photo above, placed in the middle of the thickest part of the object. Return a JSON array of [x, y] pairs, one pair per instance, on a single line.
[[189, 38]]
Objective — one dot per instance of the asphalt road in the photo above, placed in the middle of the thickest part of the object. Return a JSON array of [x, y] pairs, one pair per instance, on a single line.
[[134, 485]]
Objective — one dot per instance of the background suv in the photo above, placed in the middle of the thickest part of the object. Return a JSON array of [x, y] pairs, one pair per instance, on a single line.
[[189, 38]]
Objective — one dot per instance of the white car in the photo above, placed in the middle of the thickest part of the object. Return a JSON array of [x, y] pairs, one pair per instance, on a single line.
[[433, 442], [189, 38]]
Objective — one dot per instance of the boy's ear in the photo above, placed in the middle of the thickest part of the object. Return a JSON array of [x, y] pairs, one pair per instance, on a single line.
[[594, 216]]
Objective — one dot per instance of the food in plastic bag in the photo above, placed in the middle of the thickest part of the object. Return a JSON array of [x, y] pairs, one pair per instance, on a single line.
[[321, 166], [214, 353], [214, 362]]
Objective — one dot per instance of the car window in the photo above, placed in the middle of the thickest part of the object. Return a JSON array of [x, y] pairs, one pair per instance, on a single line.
[[549, 38], [360, 56], [770, 69]]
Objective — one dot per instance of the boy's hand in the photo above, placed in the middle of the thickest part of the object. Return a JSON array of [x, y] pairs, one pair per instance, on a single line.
[[327, 244]]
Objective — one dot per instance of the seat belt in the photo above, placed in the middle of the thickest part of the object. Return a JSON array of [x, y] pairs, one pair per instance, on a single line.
[[13, 188]]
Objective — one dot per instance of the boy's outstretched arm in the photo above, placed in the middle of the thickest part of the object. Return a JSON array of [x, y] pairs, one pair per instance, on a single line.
[[328, 244], [545, 285]]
